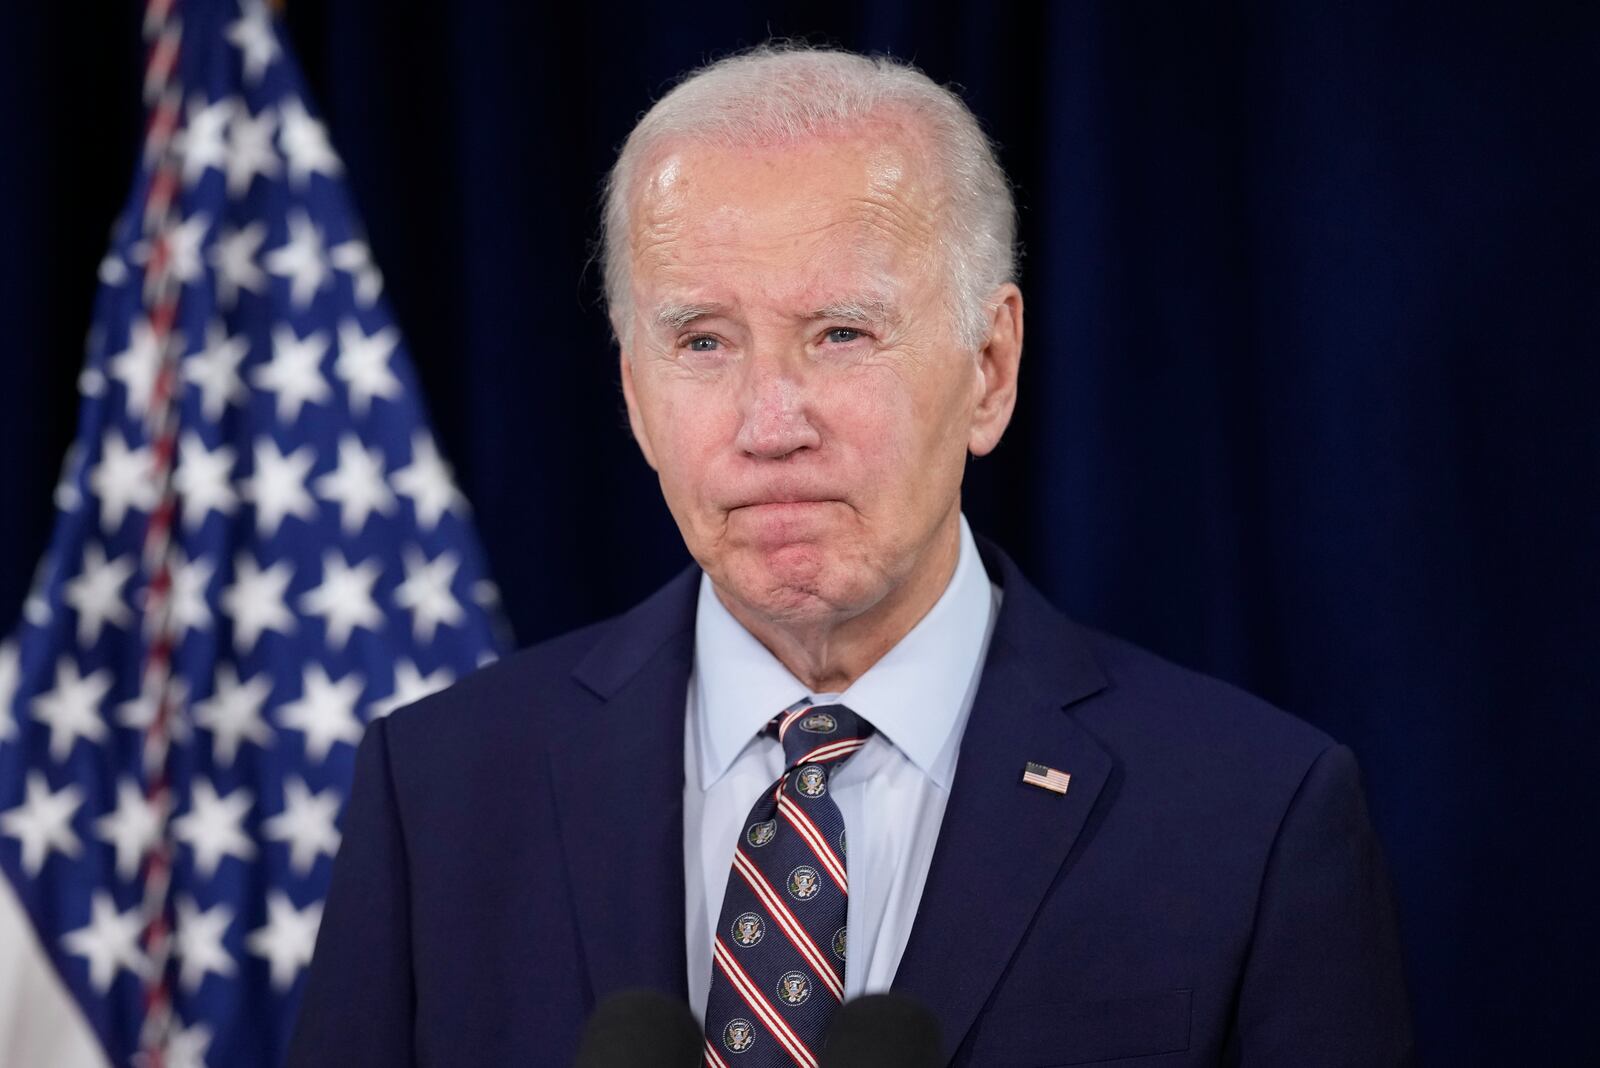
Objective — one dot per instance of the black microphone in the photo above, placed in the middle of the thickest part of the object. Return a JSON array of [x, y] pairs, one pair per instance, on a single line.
[[640, 1029], [883, 1031]]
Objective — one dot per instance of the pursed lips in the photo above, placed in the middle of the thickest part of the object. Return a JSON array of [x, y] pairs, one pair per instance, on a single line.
[[783, 500]]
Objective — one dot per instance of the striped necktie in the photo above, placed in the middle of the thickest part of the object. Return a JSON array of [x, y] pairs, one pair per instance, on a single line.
[[779, 950]]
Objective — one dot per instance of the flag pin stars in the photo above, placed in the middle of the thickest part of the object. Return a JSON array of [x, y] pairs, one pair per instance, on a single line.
[[1046, 778]]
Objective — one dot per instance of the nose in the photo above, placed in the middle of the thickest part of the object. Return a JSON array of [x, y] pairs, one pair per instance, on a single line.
[[775, 419]]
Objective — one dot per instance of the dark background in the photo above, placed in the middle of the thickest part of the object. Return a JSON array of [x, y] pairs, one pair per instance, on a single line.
[[1309, 402]]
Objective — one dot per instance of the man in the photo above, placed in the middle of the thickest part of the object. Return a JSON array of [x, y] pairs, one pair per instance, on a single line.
[[853, 750]]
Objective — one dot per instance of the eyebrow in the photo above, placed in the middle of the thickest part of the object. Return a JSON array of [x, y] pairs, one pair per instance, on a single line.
[[678, 316], [872, 310]]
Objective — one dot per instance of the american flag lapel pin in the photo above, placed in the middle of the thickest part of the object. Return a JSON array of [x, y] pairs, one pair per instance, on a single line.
[[1046, 778]]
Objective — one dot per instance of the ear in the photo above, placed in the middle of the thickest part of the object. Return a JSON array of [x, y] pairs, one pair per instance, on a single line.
[[998, 361], [635, 420]]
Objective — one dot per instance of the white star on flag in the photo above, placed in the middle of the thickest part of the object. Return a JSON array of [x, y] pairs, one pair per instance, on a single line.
[[301, 260], [42, 824], [253, 35], [131, 829], [304, 141], [182, 244], [123, 480], [278, 485], [185, 1048], [72, 708], [113, 271], [411, 685], [109, 941], [294, 373], [200, 144], [234, 256], [426, 480], [344, 598], [95, 593], [137, 366], [233, 714], [203, 480], [363, 363], [357, 484], [425, 593], [250, 150], [355, 259], [213, 827], [325, 712], [306, 824], [288, 938], [186, 604], [139, 714], [214, 370], [255, 602], [198, 945]]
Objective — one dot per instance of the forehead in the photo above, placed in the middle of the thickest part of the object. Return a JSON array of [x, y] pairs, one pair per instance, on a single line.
[[802, 216]]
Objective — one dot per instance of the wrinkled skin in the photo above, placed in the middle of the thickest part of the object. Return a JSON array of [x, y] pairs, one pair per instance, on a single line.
[[793, 374]]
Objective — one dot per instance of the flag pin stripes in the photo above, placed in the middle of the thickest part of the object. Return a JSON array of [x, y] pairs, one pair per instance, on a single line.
[[1046, 778]]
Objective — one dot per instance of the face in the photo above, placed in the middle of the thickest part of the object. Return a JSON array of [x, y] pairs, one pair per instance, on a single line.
[[793, 374]]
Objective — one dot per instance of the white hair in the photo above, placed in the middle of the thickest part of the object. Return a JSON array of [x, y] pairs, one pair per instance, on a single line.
[[779, 93]]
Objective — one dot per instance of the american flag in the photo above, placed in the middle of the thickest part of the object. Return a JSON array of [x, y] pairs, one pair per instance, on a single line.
[[1046, 778], [258, 549]]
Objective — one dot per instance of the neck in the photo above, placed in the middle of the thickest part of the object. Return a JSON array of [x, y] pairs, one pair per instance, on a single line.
[[831, 653]]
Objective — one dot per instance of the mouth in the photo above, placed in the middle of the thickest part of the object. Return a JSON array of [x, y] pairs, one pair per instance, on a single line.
[[782, 495], [778, 505], [779, 521]]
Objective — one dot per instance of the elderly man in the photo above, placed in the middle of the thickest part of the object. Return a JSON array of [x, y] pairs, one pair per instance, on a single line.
[[853, 750]]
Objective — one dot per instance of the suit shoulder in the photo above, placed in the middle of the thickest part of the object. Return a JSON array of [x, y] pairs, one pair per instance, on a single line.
[[515, 687], [1153, 705]]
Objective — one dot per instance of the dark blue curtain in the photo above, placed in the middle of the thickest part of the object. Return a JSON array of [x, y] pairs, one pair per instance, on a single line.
[[1311, 397]]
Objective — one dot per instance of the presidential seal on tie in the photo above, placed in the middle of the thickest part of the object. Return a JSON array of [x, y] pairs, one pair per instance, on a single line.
[[739, 1035], [804, 882], [811, 780], [794, 988], [748, 929], [761, 833]]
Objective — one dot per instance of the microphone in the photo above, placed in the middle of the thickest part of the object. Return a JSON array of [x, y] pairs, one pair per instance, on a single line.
[[640, 1029], [883, 1031]]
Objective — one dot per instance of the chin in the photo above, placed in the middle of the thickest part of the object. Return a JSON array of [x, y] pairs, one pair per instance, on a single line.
[[794, 584]]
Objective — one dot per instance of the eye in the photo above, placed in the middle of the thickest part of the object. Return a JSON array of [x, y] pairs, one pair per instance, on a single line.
[[702, 343], [842, 335]]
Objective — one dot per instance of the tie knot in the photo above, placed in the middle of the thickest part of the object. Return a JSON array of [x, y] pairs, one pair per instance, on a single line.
[[826, 735]]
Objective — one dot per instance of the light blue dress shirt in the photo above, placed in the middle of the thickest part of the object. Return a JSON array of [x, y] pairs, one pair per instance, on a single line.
[[892, 793]]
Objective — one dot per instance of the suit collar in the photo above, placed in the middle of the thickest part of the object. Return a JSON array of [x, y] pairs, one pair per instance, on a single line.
[[631, 640], [1003, 844]]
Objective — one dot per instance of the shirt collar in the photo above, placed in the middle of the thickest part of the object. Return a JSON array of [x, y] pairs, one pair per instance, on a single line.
[[916, 695]]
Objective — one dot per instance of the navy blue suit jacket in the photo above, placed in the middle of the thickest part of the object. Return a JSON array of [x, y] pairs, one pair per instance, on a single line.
[[1209, 890]]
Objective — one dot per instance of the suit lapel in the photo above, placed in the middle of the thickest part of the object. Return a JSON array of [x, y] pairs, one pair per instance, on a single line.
[[618, 779], [1003, 844]]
